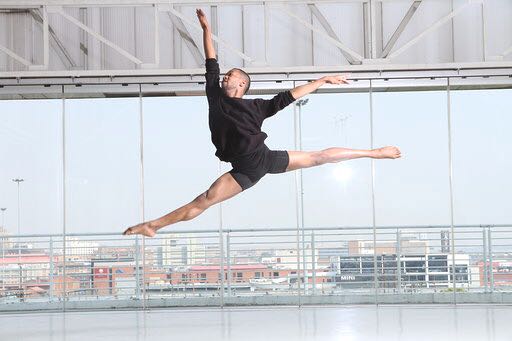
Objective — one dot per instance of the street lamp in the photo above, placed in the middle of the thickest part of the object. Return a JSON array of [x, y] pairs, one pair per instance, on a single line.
[[3, 209], [19, 181]]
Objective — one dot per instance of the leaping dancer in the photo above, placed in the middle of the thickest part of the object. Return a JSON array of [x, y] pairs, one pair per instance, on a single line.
[[235, 126]]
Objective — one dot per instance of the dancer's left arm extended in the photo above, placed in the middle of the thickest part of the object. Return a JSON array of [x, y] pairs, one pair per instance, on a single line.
[[305, 89]]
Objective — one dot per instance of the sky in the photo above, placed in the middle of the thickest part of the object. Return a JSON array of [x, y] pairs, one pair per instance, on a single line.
[[103, 162]]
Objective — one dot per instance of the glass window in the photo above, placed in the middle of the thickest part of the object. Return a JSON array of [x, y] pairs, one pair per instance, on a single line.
[[414, 189], [337, 194], [103, 192], [31, 150], [179, 158], [481, 156]]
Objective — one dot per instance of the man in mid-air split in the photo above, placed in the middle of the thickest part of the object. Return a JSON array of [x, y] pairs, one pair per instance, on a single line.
[[235, 125]]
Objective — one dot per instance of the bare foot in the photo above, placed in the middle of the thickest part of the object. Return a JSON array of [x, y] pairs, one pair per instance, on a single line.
[[389, 152], [142, 228]]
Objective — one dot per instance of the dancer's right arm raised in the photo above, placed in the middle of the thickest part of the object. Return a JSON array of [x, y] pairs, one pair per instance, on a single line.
[[209, 50]]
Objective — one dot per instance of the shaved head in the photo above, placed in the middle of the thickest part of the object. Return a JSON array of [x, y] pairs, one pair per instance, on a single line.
[[245, 77]]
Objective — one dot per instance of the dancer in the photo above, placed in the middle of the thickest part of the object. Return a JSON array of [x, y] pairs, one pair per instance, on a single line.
[[235, 126]]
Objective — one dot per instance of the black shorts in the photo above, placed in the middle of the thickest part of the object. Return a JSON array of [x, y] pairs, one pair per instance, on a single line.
[[249, 169]]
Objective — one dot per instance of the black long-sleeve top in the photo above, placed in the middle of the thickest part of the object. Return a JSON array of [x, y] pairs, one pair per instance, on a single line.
[[235, 123]]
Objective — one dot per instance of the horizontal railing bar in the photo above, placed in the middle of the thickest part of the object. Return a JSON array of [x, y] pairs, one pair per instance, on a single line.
[[291, 229]]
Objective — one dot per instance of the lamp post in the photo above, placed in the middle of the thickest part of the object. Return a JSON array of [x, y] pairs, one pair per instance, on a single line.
[[298, 144], [18, 182]]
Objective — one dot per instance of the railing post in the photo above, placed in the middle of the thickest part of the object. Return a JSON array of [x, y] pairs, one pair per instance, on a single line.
[[313, 262], [486, 273], [491, 267], [4, 265], [221, 270], [50, 275], [398, 261], [228, 261], [137, 268]]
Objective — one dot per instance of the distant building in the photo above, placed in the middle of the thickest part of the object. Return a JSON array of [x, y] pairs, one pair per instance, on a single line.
[[113, 277], [287, 259], [501, 273], [407, 246], [79, 250], [5, 242], [32, 275], [421, 270], [445, 241], [172, 251]]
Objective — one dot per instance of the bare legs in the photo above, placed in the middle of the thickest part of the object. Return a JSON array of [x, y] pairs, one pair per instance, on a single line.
[[226, 187], [222, 189], [300, 160]]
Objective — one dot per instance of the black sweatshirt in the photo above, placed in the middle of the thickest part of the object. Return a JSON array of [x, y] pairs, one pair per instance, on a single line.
[[235, 123]]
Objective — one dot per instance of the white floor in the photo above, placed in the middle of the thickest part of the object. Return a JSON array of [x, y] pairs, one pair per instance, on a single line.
[[340, 323]]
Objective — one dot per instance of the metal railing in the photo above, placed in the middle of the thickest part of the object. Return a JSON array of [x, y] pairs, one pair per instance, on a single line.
[[412, 264]]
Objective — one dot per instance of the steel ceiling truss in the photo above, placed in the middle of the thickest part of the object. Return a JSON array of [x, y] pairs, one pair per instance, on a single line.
[[376, 51]]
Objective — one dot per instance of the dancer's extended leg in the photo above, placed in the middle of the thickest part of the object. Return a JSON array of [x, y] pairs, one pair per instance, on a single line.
[[222, 189], [300, 160]]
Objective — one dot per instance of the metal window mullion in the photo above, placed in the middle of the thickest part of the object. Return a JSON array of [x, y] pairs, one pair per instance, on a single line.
[[221, 248], [64, 211], [376, 284], [450, 174], [142, 206], [297, 201], [304, 261]]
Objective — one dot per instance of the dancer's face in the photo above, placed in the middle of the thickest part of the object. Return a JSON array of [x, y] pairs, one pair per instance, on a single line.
[[232, 80]]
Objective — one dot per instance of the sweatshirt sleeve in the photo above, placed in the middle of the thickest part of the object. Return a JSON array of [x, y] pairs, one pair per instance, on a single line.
[[269, 107], [212, 77]]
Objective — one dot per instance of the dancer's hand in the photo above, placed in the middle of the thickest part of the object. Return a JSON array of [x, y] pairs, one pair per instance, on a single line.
[[202, 19], [338, 79]]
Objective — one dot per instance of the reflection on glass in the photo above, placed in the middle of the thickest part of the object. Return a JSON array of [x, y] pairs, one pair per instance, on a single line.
[[342, 173], [337, 194]]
